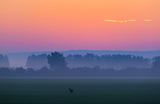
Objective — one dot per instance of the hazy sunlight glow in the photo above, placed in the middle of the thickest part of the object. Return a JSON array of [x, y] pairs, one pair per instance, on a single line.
[[120, 21], [61, 25], [147, 20], [131, 20], [123, 21]]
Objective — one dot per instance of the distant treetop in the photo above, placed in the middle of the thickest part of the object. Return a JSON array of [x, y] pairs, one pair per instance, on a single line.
[[4, 62]]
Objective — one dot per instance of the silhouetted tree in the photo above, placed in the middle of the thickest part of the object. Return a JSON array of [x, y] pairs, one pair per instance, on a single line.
[[107, 61], [31, 72], [75, 60], [20, 71], [37, 62], [44, 72], [4, 71], [57, 61], [156, 63], [4, 62], [89, 59]]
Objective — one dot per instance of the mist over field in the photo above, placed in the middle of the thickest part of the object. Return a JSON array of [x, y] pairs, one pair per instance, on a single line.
[[56, 64], [19, 59], [88, 78], [79, 52]]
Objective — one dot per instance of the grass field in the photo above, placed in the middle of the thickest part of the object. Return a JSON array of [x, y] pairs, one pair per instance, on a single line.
[[86, 90]]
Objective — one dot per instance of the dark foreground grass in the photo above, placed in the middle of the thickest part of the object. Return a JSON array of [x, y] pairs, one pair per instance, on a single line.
[[86, 91]]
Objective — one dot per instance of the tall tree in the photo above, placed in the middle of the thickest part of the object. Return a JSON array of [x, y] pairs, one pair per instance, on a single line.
[[4, 62], [156, 63], [57, 61], [37, 62]]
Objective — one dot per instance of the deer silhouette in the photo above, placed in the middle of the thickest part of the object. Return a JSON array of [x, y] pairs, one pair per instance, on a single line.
[[71, 90]]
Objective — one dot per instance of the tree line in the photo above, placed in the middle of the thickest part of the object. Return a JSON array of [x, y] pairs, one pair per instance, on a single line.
[[107, 61], [57, 66], [4, 62], [91, 60]]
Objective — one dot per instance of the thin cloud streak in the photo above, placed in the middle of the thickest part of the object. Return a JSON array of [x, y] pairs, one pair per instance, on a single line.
[[124, 21], [147, 20], [120, 21]]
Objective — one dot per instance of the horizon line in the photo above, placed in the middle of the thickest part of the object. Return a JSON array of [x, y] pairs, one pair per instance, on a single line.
[[76, 50]]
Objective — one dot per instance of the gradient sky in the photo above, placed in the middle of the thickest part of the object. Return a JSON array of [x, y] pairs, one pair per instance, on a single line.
[[59, 25]]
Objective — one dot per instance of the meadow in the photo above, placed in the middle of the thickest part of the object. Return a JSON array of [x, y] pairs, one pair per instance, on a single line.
[[86, 90]]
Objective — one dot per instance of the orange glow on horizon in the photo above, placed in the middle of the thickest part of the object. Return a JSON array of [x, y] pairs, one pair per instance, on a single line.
[[36, 25]]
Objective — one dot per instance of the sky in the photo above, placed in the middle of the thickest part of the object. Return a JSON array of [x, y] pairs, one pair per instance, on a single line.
[[61, 25]]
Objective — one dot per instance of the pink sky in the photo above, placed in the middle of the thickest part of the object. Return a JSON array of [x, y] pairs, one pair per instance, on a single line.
[[58, 25]]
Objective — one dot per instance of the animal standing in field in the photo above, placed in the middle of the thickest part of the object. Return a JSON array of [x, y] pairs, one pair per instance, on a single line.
[[71, 90]]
